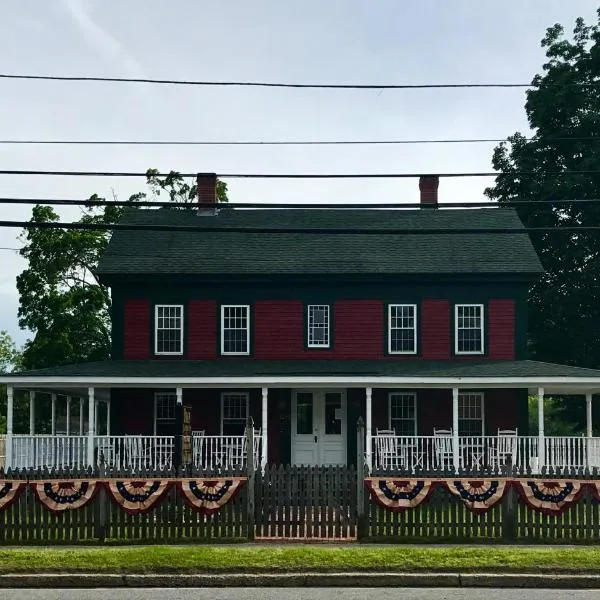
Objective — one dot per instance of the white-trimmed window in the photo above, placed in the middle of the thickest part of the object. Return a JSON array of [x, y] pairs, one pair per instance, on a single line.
[[468, 328], [470, 414], [235, 329], [164, 410], [402, 329], [403, 412], [318, 325], [168, 329], [234, 412]]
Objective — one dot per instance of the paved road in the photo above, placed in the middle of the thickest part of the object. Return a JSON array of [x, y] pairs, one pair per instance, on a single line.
[[293, 594]]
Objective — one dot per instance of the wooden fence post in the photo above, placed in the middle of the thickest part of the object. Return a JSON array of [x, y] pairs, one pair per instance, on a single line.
[[251, 474], [509, 508], [103, 511], [362, 511]]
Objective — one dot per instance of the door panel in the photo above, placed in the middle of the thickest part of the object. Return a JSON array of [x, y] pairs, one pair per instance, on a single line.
[[304, 447], [333, 437]]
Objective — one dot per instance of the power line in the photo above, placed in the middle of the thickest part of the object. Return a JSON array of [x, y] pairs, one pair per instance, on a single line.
[[300, 175], [277, 206], [338, 86], [293, 230], [283, 142]]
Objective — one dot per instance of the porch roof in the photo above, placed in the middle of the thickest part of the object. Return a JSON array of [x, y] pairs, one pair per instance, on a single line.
[[303, 373]]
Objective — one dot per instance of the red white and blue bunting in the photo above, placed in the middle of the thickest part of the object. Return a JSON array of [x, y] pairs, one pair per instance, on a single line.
[[65, 495], [135, 496], [9, 492], [478, 495], [549, 497], [595, 487], [209, 495], [398, 495]]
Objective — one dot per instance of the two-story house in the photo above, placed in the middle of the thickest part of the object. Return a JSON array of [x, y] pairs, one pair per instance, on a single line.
[[305, 320]]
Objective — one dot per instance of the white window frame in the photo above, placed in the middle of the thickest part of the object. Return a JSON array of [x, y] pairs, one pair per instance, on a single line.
[[389, 324], [482, 329], [247, 351], [233, 393], [414, 399], [181, 329], [162, 420], [310, 323], [482, 397]]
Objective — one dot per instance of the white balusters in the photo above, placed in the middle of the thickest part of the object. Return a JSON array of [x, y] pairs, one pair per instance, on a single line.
[[213, 452]]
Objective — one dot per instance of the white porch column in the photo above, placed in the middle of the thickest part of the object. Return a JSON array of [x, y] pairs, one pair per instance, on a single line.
[[541, 440], [455, 439], [9, 426], [80, 416], [96, 420], [588, 414], [68, 427], [108, 417], [369, 428], [31, 413], [53, 415], [91, 426], [264, 418]]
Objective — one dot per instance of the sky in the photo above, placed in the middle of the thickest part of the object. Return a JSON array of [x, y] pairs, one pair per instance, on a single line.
[[313, 41]]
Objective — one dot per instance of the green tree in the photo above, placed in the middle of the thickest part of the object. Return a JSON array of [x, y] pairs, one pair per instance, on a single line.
[[563, 109], [10, 359], [60, 298]]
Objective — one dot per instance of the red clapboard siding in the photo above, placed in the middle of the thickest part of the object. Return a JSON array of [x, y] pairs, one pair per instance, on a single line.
[[435, 329], [202, 330], [278, 329], [501, 410], [136, 334], [358, 329], [501, 333], [135, 412]]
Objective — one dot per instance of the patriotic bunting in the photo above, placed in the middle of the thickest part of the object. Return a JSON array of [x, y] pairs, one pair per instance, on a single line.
[[9, 492], [137, 497], [478, 496], [209, 495], [595, 487], [549, 497], [398, 495], [65, 495]]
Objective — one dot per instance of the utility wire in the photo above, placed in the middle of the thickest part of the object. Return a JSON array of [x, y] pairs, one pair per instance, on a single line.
[[292, 230], [193, 205], [300, 175], [283, 142], [337, 86]]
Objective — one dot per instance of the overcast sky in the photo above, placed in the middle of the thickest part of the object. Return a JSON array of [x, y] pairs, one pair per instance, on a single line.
[[327, 41]]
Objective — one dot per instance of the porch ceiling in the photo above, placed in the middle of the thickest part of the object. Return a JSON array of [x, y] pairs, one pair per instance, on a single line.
[[308, 373]]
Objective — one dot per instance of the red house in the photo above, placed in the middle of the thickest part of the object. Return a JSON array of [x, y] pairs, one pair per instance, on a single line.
[[305, 320]]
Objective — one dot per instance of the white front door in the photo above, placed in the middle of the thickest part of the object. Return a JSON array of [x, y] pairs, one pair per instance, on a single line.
[[318, 427]]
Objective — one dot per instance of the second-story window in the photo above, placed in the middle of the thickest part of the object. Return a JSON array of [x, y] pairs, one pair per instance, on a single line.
[[468, 329], [402, 329], [318, 326], [168, 329], [235, 329]]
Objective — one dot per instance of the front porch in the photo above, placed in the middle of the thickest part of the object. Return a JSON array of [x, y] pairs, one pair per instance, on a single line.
[[451, 418]]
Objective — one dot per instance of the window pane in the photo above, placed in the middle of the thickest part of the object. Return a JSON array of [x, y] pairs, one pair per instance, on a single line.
[[169, 329], [235, 412], [318, 325], [402, 413], [304, 414], [333, 414], [469, 331], [402, 328], [470, 414], [165, 406], [235, 325]]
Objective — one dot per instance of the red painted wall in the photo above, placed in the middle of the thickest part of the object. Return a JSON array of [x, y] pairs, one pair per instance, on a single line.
[[201, 330], [501, 334], [435, 329], [137, 327]]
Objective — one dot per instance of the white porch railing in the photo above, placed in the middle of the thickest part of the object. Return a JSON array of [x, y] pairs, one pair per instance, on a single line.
[[135, 452], [49, 451], [493, 453], [212, 452]]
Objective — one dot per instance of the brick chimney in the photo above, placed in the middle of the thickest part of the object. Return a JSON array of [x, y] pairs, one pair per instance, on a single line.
[[206, 188], [428, 184]]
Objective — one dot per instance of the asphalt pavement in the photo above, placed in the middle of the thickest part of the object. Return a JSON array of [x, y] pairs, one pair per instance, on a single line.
[[289, 594]]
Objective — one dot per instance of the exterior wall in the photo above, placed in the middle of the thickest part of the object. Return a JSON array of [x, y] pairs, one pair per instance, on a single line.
[[359, 322]]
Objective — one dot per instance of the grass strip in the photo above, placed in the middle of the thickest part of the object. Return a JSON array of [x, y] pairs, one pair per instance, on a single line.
[[273, 559]]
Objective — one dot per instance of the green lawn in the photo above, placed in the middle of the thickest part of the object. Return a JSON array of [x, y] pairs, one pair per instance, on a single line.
[[272, 559]]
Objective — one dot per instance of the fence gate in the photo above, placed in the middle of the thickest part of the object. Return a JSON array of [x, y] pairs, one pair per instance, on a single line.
[[299, 503]]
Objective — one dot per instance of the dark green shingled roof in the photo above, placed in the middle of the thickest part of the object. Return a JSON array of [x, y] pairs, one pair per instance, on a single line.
[[257, 368], [234, 253]]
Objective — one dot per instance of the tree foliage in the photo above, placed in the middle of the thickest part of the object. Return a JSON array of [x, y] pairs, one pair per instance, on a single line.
[[563, 110], [60, 298], [10, 359]]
